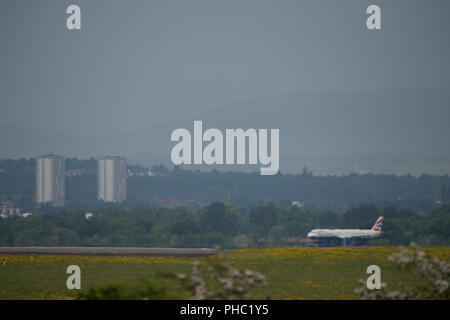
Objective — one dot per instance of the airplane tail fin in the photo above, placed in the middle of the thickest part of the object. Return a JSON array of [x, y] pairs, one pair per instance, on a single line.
[[378, 224]]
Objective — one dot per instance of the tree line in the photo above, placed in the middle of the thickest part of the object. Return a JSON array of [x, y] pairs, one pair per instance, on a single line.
[[217, 224]]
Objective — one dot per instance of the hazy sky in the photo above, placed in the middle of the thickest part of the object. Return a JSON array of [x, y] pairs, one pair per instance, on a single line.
[[137, 63]]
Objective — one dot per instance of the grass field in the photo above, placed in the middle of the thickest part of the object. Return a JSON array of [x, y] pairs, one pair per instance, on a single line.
[[291, 273]]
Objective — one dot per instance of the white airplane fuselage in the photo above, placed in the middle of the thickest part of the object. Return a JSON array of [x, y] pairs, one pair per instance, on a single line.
[[344, 233]]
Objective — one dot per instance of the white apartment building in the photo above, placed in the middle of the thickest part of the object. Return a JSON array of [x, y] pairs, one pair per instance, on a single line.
[[111, 179], [50, 179]]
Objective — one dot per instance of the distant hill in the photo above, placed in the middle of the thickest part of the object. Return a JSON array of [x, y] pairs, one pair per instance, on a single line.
[[390, 131]]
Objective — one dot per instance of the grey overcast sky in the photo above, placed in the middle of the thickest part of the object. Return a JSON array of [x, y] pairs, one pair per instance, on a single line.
[[138, 63]]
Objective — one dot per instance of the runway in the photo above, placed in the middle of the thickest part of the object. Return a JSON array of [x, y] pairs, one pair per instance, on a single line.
[[111, 251]]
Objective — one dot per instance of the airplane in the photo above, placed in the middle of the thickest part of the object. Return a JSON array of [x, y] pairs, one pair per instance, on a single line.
[[347, 236]]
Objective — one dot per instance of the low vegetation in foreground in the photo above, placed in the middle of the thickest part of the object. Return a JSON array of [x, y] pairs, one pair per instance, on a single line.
[[289, 272]]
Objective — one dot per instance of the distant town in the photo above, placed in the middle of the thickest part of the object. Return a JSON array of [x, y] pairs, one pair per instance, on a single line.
[[51, 182]]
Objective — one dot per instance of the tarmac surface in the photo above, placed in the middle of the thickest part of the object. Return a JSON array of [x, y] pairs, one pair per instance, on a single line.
[[111, 251]]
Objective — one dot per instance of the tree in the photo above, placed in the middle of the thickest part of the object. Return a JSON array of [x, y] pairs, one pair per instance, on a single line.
[[328, 219], [217, 218], [262, 219], [362, 216]]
